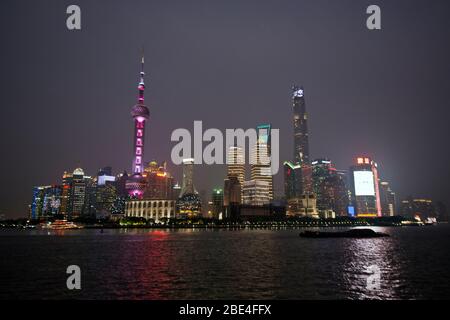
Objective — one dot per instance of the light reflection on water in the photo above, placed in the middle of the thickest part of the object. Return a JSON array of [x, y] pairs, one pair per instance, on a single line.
[[224, 264]]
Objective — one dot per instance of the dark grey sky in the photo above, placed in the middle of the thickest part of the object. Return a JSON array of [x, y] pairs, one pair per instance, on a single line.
[[66, 96]]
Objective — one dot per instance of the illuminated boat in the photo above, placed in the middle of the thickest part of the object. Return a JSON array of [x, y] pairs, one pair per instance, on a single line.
[[60, 225]]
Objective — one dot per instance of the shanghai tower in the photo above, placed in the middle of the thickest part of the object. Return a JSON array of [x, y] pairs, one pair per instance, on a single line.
[[301, 144], [136, 184]]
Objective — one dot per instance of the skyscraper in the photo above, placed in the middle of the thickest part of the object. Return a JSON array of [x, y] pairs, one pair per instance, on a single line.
[[298, 174], [387, 199], [236, 163], [187, 186], [65, 194], [322, 173], [262, 170], [189, 203], [232, 196], [160, 182], [46, 201], [329, 187], [365, 188], [140, 113], [78, 193], [216, 203], [292, 180], [301, 140]]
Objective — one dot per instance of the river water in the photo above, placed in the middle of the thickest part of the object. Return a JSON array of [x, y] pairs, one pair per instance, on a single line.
[[414, 263]]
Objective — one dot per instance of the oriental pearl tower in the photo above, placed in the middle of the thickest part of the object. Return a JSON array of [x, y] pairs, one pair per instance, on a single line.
[[136, 184]]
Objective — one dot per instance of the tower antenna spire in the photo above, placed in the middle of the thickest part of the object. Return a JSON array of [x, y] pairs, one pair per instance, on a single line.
[[141, 85], [142, 59]]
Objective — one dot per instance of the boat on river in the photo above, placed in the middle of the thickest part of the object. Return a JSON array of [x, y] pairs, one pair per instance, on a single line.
[[60, 225]]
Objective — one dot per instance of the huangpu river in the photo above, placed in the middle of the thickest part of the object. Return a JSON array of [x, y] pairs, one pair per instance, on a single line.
[[413, 263]]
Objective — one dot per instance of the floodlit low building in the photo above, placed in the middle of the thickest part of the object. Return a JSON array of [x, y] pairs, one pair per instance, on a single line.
[[150, 209]]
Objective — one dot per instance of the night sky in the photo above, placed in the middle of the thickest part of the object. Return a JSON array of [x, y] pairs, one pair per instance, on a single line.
[[66, 95]]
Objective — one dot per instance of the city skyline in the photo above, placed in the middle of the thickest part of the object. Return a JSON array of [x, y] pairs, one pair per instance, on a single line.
[[369, 112]]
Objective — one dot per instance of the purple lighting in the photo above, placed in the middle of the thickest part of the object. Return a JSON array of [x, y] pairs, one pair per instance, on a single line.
[[140, 113]]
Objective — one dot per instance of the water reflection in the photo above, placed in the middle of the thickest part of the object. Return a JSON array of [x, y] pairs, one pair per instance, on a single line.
[[224, 264]]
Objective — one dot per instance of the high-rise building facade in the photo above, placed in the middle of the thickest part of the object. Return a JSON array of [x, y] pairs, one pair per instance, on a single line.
[[322, 171], [236, 163], [329, 186], [341, 192], [232, 197], [189, 204], [160, 182], [232, 191], [65, 194], [78, 193], [46, 202], [136, 183], [256, 193], [261, 169], [387, 200], [298, 173], [187, 186], [216, 206], [301, 139], [105, 196], [365, 188], [292, 180]]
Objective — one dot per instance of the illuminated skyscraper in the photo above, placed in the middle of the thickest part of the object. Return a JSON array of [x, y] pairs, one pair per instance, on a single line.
[[140, 113], [46, 201], [298, 174], [189, 204], [365, 188], [232, 196], [236, 163], [216, 204], [235, 169], [329, 187], [160, 182], [322, 173], [78, 193], [262, 170], [387, 199], [301, 140], [65, 194], [188, 177], [292, 180]]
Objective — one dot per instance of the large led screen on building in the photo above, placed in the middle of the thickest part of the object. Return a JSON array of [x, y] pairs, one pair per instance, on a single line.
[[364, 185]]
